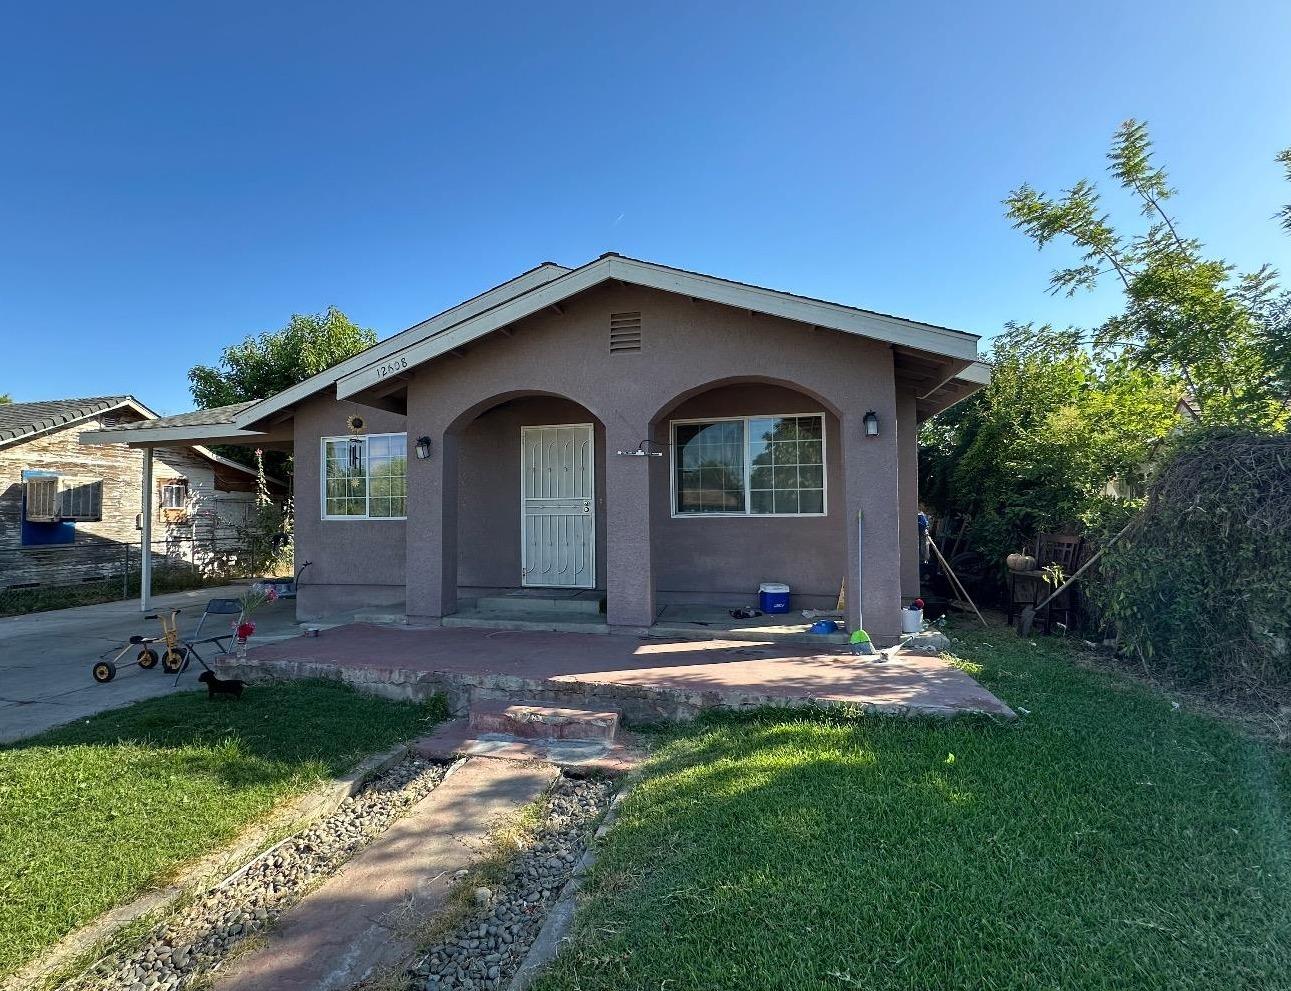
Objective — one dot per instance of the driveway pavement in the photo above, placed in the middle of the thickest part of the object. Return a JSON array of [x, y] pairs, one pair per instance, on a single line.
[[45, 657]]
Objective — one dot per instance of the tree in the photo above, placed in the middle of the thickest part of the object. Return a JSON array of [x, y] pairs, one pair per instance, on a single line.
[[1035, 450], [1186, 315], [5, 398], [259, 367]]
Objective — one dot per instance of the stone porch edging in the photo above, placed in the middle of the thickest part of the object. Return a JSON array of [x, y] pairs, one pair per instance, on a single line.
[[208, 871], [637, 703]]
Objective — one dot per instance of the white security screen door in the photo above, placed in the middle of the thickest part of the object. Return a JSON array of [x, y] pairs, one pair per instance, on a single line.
[[559, 500]]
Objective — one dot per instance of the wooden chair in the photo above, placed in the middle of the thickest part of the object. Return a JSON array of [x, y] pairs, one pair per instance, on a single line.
[[1029, 588]]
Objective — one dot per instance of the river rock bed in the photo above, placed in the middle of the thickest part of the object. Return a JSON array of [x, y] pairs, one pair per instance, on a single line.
[[485, 950], [195, 941]]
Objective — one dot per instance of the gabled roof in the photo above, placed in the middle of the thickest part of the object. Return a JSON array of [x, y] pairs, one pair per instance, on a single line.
[[255, 413], [24, 421], [430, 342]]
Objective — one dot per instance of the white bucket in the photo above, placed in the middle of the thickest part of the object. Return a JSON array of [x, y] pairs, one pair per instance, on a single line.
[[911, 620]]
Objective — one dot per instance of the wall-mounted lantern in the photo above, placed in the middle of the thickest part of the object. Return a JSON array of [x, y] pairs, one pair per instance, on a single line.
[[871, 421], [423, 448]]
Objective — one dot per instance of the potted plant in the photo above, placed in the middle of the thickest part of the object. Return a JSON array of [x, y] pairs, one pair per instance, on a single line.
[[255, 597]]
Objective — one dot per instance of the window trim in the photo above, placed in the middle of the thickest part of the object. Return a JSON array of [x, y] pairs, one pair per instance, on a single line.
[[748, 467], [322, 478]]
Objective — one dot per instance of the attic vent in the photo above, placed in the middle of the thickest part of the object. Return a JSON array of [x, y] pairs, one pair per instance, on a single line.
[[625, 332], [109, 420]]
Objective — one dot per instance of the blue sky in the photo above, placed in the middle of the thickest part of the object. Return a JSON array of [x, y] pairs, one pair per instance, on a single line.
[[176, 176]]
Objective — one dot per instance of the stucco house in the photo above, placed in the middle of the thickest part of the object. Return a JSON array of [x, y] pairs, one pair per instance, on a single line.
[[68, 512], [646, 434]]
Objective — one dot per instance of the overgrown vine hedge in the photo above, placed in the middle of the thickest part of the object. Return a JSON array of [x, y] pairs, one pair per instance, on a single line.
[[1200, 589]]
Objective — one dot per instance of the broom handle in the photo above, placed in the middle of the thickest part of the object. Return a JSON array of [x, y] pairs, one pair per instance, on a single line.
[[958, 585]]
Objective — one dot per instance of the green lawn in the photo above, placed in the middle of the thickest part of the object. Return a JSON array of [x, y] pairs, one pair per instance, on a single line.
[[1103, 841], [93, 813]]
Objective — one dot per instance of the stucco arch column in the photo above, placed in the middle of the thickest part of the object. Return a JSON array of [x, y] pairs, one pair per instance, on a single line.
[[629, 579], [432, 523], [907, 428], [870, 468]]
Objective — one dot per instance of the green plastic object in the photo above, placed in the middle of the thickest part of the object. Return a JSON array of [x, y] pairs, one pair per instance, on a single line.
[[861, 645]]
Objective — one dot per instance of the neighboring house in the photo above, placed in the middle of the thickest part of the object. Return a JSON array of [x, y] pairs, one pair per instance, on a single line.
[[653, 434], [68, 511]]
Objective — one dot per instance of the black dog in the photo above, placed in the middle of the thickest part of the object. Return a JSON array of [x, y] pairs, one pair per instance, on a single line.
[[221, 686]]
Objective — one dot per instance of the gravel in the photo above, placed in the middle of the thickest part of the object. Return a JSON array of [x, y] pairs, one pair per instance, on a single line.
[[487, 947], [196, 940]]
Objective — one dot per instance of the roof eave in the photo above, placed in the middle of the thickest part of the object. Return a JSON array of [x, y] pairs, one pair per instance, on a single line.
[[129, 402], [834, 316], [520, 284]]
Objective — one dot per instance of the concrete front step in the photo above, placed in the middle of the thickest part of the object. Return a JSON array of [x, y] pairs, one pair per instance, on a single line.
[[578, 603], [535, 622], [455, 738], [534, 721]]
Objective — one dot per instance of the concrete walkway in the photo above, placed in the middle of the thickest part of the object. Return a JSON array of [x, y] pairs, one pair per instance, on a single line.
[[363, 918], [45, 657]]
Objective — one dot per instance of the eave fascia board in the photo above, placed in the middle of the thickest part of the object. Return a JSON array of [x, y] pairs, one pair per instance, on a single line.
[[474, 327], [183, 435], [820, 313], [521, 284], [832, 316]]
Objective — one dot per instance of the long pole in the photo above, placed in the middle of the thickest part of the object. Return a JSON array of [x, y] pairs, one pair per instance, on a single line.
[[860, 567], [145, 535], [958, 585]]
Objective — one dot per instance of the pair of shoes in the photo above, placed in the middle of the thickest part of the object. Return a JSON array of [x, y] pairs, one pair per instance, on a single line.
[[745, 612]]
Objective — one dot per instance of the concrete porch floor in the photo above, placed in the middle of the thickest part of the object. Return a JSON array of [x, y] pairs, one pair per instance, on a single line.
[[582, 611], [645, 678]]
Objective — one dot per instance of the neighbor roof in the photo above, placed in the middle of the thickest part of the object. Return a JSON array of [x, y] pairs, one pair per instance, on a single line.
[[196, 418], [432, 342], [23, 421]]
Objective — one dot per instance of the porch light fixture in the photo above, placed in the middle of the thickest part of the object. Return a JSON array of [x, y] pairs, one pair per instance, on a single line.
[[423, 448], [871, 421]]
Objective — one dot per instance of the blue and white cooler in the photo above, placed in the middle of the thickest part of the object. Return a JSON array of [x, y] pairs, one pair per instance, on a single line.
[[773, 597]]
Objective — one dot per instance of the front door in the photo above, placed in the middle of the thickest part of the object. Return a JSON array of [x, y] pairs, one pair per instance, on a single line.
[[559, 495]]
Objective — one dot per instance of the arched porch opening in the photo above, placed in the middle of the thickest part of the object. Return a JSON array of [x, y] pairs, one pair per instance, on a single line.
[[529, 500], [750, 490]]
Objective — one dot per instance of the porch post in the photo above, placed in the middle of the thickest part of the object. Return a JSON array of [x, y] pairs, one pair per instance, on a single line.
[[629, 579], [145, 534], [908, 482], [431, 552], [870, 519]]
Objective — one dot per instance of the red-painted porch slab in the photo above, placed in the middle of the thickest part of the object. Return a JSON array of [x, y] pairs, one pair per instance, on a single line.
[[729, 671]]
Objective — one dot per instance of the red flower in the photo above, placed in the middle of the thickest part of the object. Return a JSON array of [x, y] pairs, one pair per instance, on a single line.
[[245, 630]]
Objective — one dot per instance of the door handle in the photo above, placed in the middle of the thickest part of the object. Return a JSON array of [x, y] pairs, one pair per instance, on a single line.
[[587, 507]]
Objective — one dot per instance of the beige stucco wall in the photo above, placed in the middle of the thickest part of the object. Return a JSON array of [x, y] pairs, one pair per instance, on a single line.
[[688, 347], [355, 563], [908, 491]]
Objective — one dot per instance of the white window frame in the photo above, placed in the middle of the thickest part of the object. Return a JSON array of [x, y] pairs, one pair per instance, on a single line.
[[175, 483], [322, 477], [748, 467]]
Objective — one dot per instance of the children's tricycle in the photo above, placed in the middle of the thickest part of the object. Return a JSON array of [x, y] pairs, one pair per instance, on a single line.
[[172, 653]]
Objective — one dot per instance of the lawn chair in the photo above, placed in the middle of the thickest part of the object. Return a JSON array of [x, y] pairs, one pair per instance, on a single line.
[[215, 607]]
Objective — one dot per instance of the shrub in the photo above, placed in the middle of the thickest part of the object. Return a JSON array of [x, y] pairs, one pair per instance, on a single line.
[[1200, 589]]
